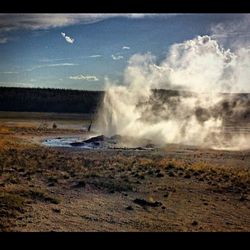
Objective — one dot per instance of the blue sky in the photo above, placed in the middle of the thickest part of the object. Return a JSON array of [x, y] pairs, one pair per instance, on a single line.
[[78, 51]]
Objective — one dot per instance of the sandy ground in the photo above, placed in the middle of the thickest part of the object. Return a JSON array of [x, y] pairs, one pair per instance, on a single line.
[[177, 188]]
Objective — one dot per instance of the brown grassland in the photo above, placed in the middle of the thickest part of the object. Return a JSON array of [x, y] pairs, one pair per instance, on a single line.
[[176, 188]]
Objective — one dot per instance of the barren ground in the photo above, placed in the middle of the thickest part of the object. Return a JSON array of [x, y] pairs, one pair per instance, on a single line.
[[176, 188]]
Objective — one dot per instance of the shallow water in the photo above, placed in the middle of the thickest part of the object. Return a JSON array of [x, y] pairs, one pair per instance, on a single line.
[[97, 143], [66, 142]]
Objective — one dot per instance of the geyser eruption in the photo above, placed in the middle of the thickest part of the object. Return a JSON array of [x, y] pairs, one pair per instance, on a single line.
[[198, 72]]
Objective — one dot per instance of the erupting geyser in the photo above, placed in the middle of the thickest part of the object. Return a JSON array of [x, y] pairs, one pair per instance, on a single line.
[[196, 115]]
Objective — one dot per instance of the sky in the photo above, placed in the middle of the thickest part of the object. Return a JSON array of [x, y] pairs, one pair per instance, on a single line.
[[82, 51]]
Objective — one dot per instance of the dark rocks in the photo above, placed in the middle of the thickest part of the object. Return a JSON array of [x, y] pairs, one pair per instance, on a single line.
[[166, 195], [196, 173], [56, 210], [145, 203], [160, 175], [171, 174], [150, 172], [187, 176], [130, 208], [243, 197], [194, 223], [80, 184], [142, 177], [77, 144], [95, 139], [170, 166]]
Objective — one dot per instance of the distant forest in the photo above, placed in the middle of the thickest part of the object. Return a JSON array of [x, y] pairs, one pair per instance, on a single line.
[[235, 106], [49, 100]]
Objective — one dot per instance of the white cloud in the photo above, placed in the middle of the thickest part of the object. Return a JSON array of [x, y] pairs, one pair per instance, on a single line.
[[95, 56], [116, 57], [125, 47], [9, 72], [15, 21], [67, 38], [52, 65], [84, 77], [3, 40], [17, 84], [12, 21], [54, 59]]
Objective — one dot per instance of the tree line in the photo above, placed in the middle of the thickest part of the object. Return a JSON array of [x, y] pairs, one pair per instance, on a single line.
[[49, 100]]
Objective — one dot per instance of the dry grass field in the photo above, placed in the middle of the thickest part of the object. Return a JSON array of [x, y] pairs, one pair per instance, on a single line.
[[176, 188]]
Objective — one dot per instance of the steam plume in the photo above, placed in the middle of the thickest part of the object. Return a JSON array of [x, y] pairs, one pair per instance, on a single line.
[[202, 71]]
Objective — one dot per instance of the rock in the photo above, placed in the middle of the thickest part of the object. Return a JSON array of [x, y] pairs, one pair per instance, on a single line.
[[243, 197], [80, 184], [77, 144], [95, 139], [56, 210], [139, 148], [160, 175], [194, 223], [142, 177], [144, 203], [171, 174], [187, 176], [129, 208]]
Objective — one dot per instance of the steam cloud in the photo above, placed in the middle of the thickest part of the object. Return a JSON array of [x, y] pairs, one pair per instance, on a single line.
[[198, 113]]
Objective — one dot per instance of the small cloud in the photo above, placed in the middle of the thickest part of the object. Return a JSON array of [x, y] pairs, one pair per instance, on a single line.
[[59, 64], [17, 84], [3, 40], [44, 60], [95, 56], [9, 72], [84, 77], [51, 65], [67, 38], [116, 57], [125, 47]]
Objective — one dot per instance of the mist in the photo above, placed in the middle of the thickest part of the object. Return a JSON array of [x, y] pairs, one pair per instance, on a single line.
[[188, 98]]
